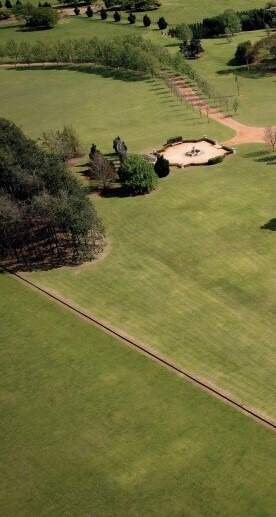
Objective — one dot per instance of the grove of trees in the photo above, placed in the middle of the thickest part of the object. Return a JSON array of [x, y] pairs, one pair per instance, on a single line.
[[262, 50], [46, 217]]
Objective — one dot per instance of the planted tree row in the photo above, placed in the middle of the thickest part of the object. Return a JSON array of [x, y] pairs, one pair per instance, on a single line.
[[130, 53]]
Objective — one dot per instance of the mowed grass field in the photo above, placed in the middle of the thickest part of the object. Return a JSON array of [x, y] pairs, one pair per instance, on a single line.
[[257, 89], [89, 427], [189, 271], [256, 100], [100, 104], [177, 11]]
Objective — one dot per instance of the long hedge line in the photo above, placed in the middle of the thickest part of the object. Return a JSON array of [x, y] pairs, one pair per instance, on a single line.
[[130, 53]]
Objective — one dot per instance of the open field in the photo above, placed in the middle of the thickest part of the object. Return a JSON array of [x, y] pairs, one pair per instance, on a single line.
[[190, 272], [176, 11], [90, 427], [257, 89], [100, 105]]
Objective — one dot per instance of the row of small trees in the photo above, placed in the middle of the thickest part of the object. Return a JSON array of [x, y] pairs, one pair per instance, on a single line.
[[162, 23], [130, 52], [45, 215]]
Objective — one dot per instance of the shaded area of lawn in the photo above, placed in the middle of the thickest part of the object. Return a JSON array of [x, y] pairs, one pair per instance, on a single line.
[[89, 427]]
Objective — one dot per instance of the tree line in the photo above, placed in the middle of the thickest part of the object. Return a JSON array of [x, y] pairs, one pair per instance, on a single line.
[[117, 17], [46, 217], [262, 51], [230, 21], [130, 52]]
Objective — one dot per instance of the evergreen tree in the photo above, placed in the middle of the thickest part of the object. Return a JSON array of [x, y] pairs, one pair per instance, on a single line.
[[146, 21], [103, 14], [162, 167], [116, 16], [162, 24], [77, 10], [131, 18], [89, 11]]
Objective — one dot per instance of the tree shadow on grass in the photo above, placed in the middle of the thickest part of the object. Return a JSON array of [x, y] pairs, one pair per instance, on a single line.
[[269, 159], [270, 225], [262, 157], [254, 72], [105, 72]]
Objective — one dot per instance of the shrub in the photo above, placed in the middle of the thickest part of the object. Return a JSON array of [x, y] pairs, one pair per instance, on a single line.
[[77, 10], [181, 31], [140, 5], [131, 18], [162, 167], [216, 159], [146, 21], [162, 24], [137, 176], [65, 143], [103, 14], [174, 139], [8, 4], [39, 17], [116, 16], [243, 55], [89, 11]]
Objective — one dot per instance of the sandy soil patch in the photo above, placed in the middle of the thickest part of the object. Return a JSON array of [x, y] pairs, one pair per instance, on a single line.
[[192, 153]]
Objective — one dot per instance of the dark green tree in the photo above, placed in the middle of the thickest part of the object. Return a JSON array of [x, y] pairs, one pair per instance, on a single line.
[[103, 14], [116, 16], [146, 21], [162, 24], [137, 176], [8, 4], [40, 17], [89, 11], [77, 10], [243, 54], [131, 18], [162, 166]]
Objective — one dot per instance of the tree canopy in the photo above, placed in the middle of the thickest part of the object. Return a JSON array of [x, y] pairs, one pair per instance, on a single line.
[[45, 215]]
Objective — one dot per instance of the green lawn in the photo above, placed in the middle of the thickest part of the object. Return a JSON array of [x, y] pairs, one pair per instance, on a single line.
[[99, 106], [190, 272], [257, 90], [176, 11], [89, 427]]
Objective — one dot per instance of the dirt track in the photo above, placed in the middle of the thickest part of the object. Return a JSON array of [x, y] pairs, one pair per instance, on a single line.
[[244, 134]]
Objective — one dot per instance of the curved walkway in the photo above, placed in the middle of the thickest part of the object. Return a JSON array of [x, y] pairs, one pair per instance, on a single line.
[[244, 134]]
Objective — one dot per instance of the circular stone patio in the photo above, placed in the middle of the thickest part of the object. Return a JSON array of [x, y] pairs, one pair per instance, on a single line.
[[183, 154]]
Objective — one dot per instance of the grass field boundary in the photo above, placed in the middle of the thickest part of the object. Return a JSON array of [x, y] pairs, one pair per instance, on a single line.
[[130, 342]]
